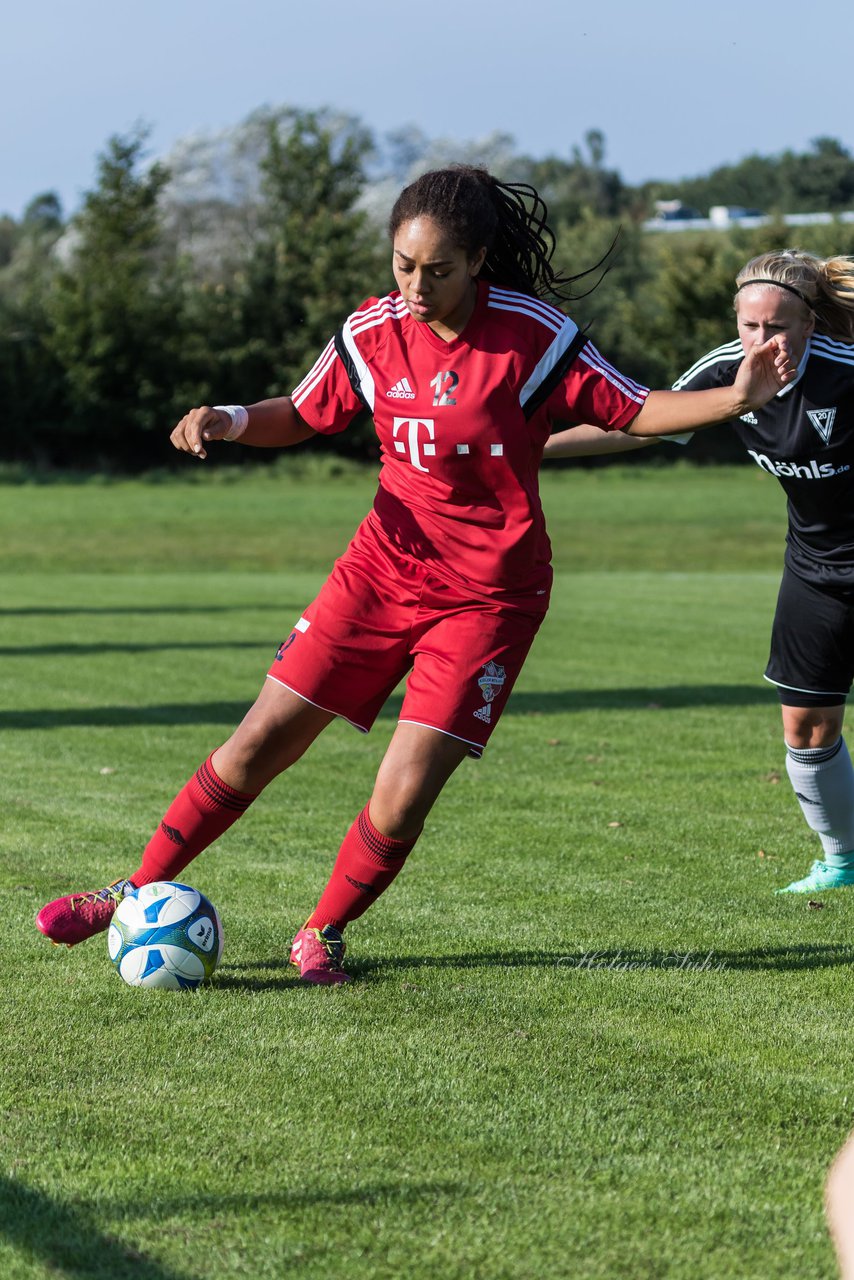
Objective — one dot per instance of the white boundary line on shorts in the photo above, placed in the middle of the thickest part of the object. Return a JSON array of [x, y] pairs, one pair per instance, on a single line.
[[319, 705], [478, 746], [815, 693]]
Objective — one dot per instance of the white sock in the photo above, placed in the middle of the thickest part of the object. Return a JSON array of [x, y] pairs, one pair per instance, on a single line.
[[823, 781]]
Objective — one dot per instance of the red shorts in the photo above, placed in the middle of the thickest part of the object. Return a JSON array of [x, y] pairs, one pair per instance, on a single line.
[[381, 615]]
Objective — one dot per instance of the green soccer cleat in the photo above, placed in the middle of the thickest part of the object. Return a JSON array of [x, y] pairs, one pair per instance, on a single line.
[[822, 876]]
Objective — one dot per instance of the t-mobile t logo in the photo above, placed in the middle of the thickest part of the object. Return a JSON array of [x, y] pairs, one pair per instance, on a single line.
[[417, 436]]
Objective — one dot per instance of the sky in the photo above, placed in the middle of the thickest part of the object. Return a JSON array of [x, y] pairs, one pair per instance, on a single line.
[[677, 87]]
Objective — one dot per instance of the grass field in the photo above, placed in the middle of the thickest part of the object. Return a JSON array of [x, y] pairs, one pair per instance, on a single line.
[[584, 1038]]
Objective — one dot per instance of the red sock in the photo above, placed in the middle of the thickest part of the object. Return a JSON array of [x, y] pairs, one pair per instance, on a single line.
[[202, 810], [367, 863]]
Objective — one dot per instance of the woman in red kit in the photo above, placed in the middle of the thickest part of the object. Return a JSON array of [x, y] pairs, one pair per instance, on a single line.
[[466, 368]]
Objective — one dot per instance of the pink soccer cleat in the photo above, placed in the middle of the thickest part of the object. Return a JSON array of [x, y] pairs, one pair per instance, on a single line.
[[81, 915], [318, 953]]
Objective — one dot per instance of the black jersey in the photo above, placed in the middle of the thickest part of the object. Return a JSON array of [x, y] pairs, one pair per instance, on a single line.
[[804, 437]]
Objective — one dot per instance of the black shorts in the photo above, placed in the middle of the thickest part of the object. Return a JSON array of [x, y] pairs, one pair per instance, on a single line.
[[812, 643]]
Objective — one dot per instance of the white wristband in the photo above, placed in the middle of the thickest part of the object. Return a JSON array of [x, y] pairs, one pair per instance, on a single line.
[[239, 419]]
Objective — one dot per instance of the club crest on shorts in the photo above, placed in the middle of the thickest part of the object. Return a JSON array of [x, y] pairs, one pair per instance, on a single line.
[[492, 680], [490, 683]]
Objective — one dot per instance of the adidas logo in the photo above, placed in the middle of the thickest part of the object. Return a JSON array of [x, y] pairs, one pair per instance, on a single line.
[[484, 713], [401, 391], [751, 419]]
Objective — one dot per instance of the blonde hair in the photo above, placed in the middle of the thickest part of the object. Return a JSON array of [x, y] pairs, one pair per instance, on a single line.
[[825, 285]]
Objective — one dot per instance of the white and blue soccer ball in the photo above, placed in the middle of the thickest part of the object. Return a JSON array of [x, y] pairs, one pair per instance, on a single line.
[[165, 935]]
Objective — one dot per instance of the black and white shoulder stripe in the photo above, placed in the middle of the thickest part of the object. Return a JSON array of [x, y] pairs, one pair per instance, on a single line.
[[721, 355], [343, 347], [832, 349], [568, 344]]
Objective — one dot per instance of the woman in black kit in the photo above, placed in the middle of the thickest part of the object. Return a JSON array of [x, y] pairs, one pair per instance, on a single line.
[[805, 437]]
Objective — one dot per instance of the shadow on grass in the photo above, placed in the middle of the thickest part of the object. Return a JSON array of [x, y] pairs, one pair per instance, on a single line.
[[134, 646], [132, 610], [251, 977], [553, 702], [67, 1240], [710, 960], [173, 713], [305, 1196], [638, 698]]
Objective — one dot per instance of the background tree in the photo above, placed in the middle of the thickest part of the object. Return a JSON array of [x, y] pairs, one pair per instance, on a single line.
[[316, 256], [823, 179], [114, 328], [581, 187], [819, 180], [31, 379]]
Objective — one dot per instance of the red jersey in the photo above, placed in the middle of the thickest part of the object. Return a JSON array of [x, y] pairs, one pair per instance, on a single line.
[[462, 426]]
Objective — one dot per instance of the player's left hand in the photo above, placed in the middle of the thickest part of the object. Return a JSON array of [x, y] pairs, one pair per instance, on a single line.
[[766, 368]]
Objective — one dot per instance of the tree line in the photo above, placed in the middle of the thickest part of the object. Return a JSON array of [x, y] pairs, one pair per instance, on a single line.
[[219, 275]]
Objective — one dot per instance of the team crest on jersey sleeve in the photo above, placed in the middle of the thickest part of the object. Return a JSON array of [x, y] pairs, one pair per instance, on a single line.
[[822, 420]]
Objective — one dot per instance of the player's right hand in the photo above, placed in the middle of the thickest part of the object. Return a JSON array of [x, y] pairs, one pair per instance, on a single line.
[[199, 426]]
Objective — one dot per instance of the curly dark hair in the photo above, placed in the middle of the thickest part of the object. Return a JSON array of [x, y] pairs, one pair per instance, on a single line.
[[475, 210]]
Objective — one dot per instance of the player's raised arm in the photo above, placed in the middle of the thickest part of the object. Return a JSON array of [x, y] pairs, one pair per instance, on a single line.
[[766, 368], [587, 440], [269, 424]]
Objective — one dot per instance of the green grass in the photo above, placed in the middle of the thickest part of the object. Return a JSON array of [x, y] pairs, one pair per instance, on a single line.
[[584, 1038]]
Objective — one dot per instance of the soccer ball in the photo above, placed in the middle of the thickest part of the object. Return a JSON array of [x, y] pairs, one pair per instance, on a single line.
[[165, 935]]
